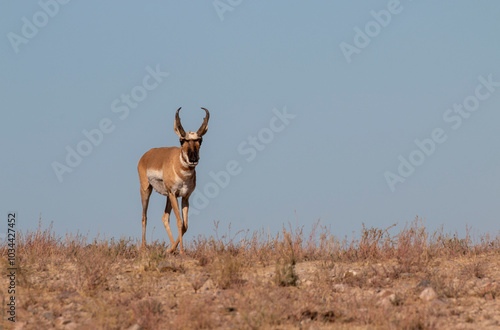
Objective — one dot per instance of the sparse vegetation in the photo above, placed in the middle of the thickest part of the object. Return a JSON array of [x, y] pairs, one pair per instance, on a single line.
[[409, 280]]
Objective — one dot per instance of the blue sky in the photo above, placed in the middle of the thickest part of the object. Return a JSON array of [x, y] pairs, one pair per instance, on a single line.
[[314, 107]]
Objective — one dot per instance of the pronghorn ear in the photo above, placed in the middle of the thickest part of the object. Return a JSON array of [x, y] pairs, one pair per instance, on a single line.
[[204, 126], [178, 127]]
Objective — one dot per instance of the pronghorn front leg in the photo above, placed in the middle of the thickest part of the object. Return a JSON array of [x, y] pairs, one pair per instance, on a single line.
[[166, 220], [180, 227], [185, 208]]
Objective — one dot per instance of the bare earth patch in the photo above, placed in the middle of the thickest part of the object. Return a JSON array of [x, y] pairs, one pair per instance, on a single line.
[[407, 281]]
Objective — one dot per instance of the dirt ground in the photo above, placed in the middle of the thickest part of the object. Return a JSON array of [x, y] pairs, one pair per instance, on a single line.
[[406, 281], [460, 293]]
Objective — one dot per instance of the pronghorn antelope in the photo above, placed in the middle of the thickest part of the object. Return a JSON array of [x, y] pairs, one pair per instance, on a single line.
[[171, 172]]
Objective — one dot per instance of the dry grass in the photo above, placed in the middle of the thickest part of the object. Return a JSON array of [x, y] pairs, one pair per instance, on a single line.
[[290, 280]]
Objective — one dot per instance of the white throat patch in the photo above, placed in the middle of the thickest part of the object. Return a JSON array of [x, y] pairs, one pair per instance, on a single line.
[[184, 160]]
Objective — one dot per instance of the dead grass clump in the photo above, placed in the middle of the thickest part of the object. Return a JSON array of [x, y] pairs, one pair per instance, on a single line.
[[195, 314], [285, 274], [38, 247], [411, 247], [374, 243], [148, 313], [208, 250], [285, 268], [111, 311], [266, 307], [199, 251], [123, 248], [419, 318], [475, 269], [454, 246], [94, 266], [152, 255], [226, 271], [313, 315], [382, 276], [260, 248], [448, 284]]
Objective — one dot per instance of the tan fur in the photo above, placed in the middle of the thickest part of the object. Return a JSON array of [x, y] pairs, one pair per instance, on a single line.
[[169, 173]]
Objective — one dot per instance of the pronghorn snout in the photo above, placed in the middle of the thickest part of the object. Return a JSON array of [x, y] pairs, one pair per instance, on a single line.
[[193, 156]]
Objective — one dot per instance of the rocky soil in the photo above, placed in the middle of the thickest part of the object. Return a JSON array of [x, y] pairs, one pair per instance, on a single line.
[[189, 292]]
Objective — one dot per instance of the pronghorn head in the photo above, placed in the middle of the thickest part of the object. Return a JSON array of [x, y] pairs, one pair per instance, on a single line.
[[190, 141]]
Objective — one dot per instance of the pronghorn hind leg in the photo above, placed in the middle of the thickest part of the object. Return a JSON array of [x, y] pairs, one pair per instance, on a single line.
[[145, 194], [175, 207], [166, 220]]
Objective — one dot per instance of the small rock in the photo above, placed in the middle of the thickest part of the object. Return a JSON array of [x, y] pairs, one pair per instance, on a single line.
[[209, 285], [484, 282], [428, 294], [350, 273], [488, 296], [387, 298], [340, 287], [386, 302], [439, 302], [69, 306], [19, 325], [59, 321], [66, 294], [85, 315], [165, 266], [70, 326], [385, 293], [424, 283], [135, 327], [48, 315]]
